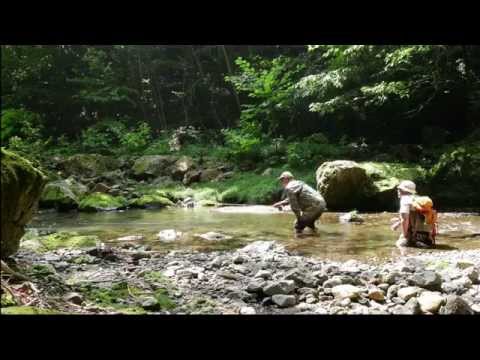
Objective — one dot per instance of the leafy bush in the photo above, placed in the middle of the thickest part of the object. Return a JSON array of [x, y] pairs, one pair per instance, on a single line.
[[312, 150], [112, 136], [19, 122], [243, 146], [160, 146], [102, 137], [136, 140]]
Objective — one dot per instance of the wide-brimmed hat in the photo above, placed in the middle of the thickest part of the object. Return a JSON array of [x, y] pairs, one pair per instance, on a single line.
[[408, 186], [286, 175]]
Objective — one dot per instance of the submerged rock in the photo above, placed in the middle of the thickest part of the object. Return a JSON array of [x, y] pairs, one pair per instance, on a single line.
[[131, 238], [169, 235], [351, 217], [213, 236]]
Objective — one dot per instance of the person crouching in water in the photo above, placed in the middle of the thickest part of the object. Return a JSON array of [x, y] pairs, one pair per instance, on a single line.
[[415, 230], [306, 203]]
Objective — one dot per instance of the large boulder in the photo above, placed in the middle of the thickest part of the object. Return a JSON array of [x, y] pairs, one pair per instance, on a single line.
[[151, 201], [22, 185], [150, 166], [367, 186], [89, 165], [181, 167], [344, 185], [385, 178], [210, 174], [62, 194], [102, 202]]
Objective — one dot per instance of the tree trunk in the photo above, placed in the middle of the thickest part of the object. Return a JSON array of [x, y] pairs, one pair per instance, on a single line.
[[229, 68]]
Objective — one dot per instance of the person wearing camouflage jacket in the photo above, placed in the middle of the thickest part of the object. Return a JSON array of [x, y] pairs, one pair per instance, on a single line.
[[306, 203]]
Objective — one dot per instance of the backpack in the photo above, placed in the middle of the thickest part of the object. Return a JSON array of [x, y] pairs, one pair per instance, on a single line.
[[423, 219]]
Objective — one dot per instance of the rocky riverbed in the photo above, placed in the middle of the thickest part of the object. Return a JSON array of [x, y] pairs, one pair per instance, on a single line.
[[260, 278]]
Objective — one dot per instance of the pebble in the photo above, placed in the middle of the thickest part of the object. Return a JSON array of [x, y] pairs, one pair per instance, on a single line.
[[247, 310], [284, 300], [376, 294]]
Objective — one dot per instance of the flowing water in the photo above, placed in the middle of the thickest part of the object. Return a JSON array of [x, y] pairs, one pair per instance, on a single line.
[[372, 240]]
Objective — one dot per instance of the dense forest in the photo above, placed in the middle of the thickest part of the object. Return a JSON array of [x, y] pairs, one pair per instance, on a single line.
[[251, 106], [134, 179]]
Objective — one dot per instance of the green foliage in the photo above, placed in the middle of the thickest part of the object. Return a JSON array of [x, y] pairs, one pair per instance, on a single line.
[[312, 151], [18, 122], [112, 136], [159, 146], [243, 145], [458, 162], [136, 140], [22, 132], [269, 84]]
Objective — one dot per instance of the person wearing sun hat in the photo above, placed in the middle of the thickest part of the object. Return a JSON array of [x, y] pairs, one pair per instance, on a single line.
[[306, 203], [406, 190]]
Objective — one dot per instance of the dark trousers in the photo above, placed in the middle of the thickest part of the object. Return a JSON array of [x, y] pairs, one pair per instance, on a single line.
[[307, 219]]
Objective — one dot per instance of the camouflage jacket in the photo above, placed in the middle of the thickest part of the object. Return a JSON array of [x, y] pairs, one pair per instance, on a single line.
[[303, 198]]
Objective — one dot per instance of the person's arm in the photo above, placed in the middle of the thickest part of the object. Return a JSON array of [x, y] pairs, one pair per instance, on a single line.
[[281, 203]]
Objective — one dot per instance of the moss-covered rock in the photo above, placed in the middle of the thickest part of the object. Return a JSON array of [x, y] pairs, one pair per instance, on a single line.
[[150, 166], [151, 200], [66, 239], [386, 177], [344, 185], [63, 194], [22, 185], [181, 167], [102, 202], [90, 165]]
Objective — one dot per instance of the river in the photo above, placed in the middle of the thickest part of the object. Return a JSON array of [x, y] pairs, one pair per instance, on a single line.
[[370, 241]]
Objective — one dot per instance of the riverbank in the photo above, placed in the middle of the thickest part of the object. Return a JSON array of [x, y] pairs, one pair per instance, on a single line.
[[260, 278]]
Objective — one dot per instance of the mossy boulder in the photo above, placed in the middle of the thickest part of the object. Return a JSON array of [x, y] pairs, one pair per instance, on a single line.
[[22, 185], [181, 167], [150, 166], [102, 202], [151, 201], [344, 185], [66, 239], [386, 176], [63, 194], [90, 165], [210, 175]]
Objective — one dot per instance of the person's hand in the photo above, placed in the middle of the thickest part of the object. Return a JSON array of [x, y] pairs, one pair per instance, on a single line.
[[395, 225]]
